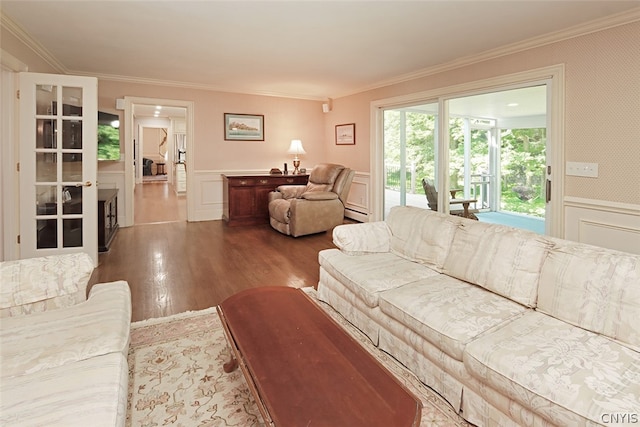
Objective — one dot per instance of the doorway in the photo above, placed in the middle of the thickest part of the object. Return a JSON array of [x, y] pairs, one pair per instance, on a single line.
[[170, 200]]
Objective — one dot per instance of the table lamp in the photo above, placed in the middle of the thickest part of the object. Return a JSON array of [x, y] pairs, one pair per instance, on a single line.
[[296, 149]]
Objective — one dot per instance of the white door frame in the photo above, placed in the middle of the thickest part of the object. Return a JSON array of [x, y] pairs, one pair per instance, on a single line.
[[9, 148], [553, 76], [129, 171]]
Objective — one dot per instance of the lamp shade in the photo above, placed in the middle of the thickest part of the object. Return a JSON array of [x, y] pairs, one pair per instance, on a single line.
[[296, 147]]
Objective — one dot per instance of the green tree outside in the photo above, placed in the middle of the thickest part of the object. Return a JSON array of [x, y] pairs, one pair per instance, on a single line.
[[522, 158], [108, 143]]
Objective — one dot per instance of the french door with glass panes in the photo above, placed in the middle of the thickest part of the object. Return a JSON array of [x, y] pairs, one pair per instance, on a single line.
[[58, 165]]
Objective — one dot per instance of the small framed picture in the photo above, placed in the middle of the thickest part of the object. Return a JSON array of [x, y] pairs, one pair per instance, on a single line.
[[346, 134], [243, 127]]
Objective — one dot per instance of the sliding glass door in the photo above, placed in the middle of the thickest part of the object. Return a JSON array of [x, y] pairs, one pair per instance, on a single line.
[[496, 156]]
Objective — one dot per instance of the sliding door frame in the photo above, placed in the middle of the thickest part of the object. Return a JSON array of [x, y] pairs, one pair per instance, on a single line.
[[552, 76]]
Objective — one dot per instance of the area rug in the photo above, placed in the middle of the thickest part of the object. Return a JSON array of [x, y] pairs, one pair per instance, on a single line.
[[176, 376]]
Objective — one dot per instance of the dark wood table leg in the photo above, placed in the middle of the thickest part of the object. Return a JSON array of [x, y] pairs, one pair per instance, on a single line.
[[231, 365]]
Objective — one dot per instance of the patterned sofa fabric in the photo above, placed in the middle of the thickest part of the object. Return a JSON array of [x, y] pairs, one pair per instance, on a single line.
[[38, 284], [447, 312], [91, 392], [594, 288], [49, 339], [566, 374], [511, 327], [369, 275], [422, 236], [502, 259], [363, 238], [63, 354]]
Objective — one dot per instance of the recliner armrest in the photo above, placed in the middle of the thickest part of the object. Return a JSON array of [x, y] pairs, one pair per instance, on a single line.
[[292, 191], [320, 195]]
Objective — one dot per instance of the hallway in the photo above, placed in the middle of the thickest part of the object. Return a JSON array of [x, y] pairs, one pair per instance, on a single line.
[[157, 202]]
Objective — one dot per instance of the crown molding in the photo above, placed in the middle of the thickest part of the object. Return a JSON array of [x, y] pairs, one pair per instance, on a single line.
[[597, 25], [196, 86], [590, 27], [32, 44]]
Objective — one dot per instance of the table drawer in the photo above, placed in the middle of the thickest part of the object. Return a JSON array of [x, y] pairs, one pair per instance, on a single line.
[[242, 182]]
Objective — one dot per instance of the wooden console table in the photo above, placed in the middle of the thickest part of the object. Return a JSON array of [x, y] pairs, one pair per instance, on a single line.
[[246, 197]]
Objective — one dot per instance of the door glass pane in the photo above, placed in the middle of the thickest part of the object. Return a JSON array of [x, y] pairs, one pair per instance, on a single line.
[[46, 202], [72, 167], [497, 155], [46, 133], [47, 233], [72, 134], [72, 233], [46, 167], [72, 101], [46, 96], [410, 152], [71, 200]]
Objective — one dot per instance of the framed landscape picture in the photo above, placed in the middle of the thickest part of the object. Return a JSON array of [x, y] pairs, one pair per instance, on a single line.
[[243, 127], [346, 134]]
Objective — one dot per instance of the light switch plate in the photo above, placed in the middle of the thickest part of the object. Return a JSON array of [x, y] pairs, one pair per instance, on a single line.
[[582, 169]]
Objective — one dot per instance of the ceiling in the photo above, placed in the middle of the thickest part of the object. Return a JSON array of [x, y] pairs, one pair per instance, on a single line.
[[303, 49]]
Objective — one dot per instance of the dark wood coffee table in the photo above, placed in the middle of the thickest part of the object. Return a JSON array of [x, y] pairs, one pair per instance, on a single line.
[[304, 369]]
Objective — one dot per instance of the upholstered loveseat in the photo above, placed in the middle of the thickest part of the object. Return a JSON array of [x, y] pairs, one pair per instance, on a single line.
[[512, 328], [62, 355]]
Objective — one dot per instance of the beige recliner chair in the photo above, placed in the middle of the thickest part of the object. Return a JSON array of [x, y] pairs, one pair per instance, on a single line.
[[297, 210]]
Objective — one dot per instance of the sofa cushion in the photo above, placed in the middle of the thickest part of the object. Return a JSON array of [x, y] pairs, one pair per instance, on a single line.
[[368, 275], [595, 288], [504, 260], [421, 235], [37, 284], [448, 312], [366, 237], [95, 327], [566, 374], [90, 392]]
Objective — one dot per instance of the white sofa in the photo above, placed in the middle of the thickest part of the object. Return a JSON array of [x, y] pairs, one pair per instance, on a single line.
[[510, 327], [62, 355]]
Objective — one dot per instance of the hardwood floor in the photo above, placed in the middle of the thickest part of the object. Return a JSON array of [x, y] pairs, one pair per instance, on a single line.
[[174, 266]]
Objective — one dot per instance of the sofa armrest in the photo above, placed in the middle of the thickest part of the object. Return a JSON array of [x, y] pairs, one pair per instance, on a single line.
[[358, 239], [43, 283]]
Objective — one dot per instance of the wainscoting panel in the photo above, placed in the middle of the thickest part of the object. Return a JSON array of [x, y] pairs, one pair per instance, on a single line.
[[208, 191], [602, 223]]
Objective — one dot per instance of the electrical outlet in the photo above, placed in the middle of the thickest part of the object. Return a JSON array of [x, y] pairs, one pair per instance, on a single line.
[[582, 169]]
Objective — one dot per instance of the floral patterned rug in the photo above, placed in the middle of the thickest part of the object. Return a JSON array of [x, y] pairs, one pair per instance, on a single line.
[[176, 376]]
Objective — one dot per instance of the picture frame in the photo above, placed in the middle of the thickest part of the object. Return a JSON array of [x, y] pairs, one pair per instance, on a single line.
[[346, 134], [243, 127]]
